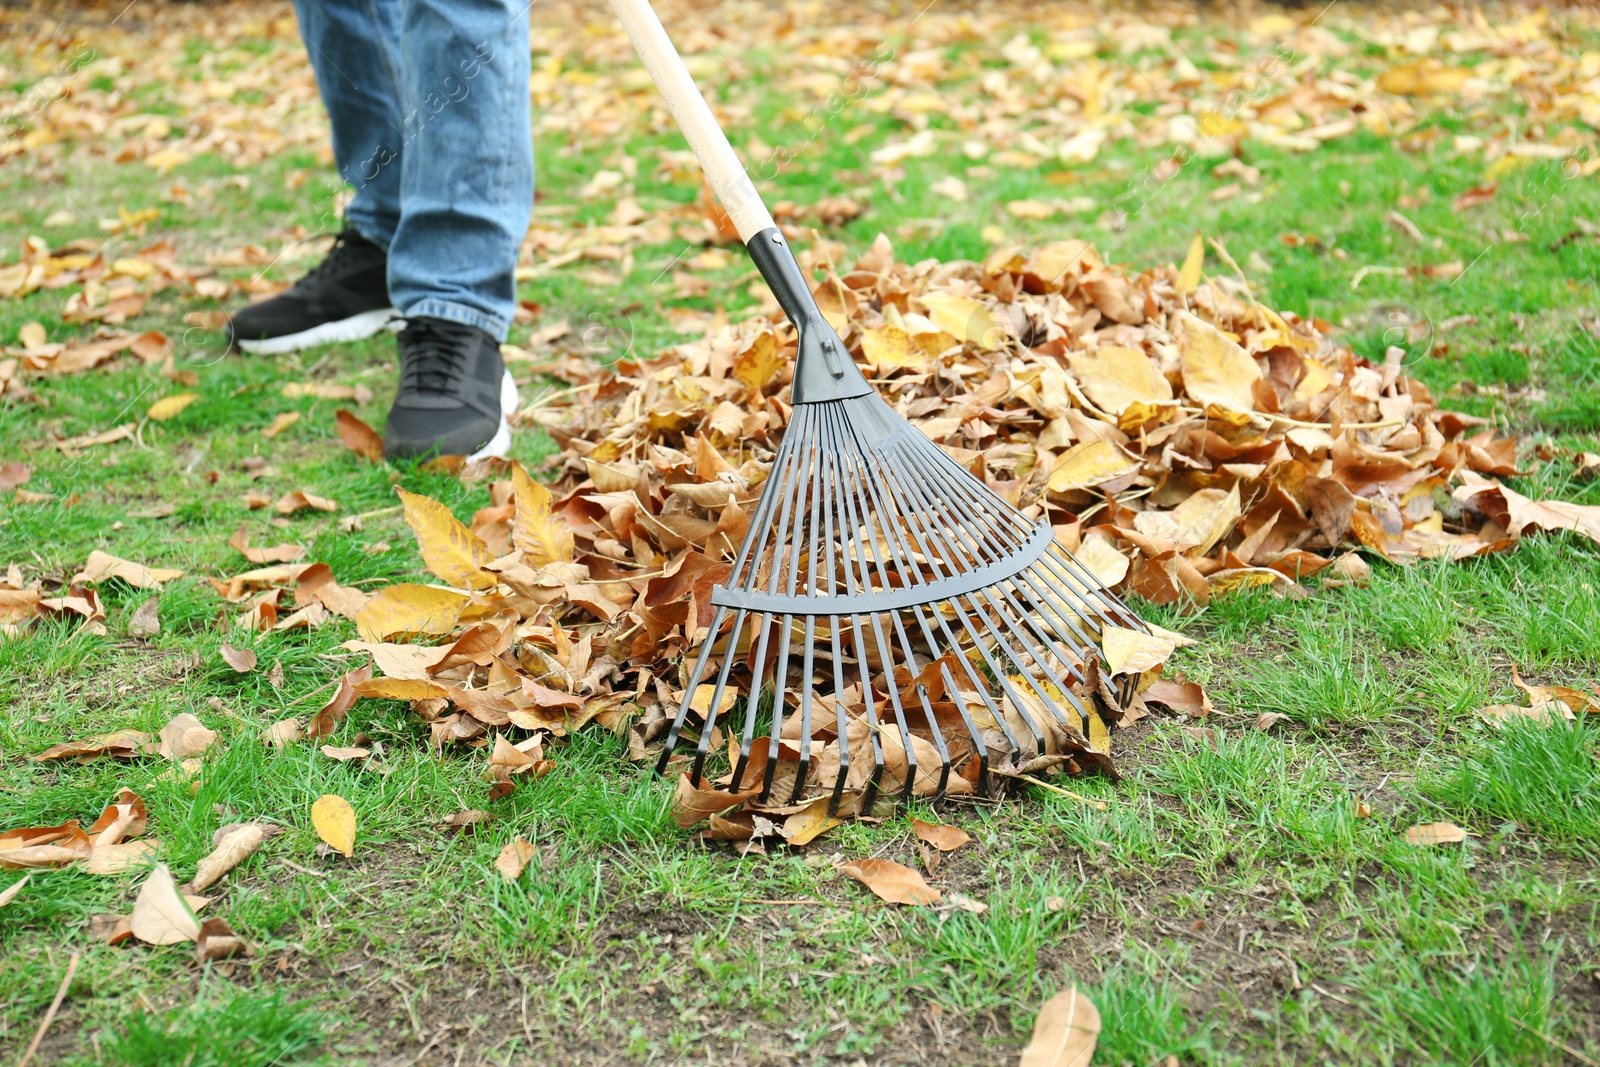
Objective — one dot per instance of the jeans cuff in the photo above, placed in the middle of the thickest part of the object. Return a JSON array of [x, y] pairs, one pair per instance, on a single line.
[[493, 325]]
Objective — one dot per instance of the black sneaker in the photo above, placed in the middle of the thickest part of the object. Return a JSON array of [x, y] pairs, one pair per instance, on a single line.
[[344, 298], [454, 395]]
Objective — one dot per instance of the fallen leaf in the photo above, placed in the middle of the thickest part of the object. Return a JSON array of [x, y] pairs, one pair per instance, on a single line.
[[513, 859], [280, 423], [120, 858], [170, 407], [282, 553], [691, 803], [242, 660], [541, 535], [1090, 464], [1189, 275], [335, 822], [300, 500], [1216, 370], [890, 881], [10, 892], [161, 916], [344, 754], [184, 737], [283, 732], [449, 549], [102, 565], [215, 940], [1266, 720], [944, 838], [234, 847], [343, 699], [44, 846], [126, 816], [1435, 833], [145, 620], [1065, 1033], [358, 437]]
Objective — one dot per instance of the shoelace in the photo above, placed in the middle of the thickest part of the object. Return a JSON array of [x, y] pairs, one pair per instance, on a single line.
[[435, 356]]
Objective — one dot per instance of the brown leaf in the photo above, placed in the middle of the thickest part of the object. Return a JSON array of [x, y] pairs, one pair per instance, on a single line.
[[237, 845], [468, 821], [184, 737], [145, 620], [300, 500], [333, 712], [242, 660], [126, 816], [1065, 1033], [122, 744], [944, 838], [691, 804], [358, 437], [10, 892], [101, 566], [161, 916], [890, 881], [44, 846], [280, 422], [215, 940], [282, 553], [120, 858], [513, 859]]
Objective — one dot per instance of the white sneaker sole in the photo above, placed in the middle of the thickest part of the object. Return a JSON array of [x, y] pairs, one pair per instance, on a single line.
[[499, 445], [354, 328]]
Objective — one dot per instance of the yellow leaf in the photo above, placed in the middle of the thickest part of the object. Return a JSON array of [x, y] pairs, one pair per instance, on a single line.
[[1089, 464], [1115, 377], [891, 346], [1133, 652], [335, 822], [1206, 517], [169, 407], [1423, 78], [1215, 369], [541, 535], [32, 335], [1189, 276], [409, 609], [449, 549], [964, 319], [1435, 833], [1099, 736], [1065, 1033], [756, 365]]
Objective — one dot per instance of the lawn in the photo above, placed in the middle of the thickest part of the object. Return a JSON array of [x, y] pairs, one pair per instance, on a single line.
[[1428, 181]]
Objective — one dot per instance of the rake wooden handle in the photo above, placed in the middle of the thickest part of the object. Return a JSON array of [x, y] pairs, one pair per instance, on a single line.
[[722, 168]]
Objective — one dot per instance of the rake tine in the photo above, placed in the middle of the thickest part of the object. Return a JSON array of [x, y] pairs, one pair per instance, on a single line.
[[694, 680], [847, 455], [714, 708]]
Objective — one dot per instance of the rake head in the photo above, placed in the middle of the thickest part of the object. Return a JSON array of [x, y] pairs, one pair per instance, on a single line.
[[890, 623]]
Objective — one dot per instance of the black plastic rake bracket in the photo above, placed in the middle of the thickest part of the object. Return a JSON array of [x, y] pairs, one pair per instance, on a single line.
[[909, 596], [823, 369]]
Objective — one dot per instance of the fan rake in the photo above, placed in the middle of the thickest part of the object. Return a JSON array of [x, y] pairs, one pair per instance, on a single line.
[[887, 614]]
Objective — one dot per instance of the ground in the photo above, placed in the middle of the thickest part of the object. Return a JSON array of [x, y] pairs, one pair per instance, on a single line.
[[1244, 896]]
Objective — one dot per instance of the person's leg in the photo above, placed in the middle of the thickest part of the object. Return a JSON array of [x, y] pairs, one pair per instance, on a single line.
[[466, 193], [466, 188], [354, 46]]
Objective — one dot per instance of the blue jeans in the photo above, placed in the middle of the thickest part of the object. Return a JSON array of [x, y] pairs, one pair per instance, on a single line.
[[431, 126]]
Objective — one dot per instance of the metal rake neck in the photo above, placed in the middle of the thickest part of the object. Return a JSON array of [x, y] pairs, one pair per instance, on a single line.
[[823, 369]]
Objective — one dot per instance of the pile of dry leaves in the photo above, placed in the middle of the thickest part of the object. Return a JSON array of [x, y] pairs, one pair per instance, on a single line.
[[1183, 440]]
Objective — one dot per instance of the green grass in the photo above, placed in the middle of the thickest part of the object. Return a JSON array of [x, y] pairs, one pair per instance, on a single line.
[[1243, 897]]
